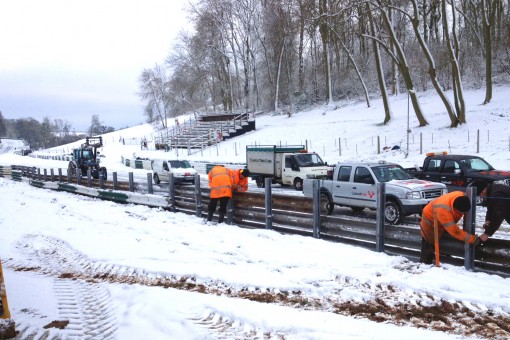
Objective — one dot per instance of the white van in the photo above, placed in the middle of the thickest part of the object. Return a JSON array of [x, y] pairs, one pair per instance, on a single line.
[[183, 172]]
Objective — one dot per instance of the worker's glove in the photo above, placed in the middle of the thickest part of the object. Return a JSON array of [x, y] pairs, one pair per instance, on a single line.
[[477, 241]]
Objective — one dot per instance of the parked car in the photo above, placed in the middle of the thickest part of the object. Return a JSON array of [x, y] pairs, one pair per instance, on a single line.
[[458, 172], [354, 185], [182, 171]]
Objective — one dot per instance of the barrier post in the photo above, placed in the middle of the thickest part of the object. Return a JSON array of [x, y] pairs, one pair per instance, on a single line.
[[89, 177], [149, 183], [268, 203], [380, 220], [198, 196], [171, 191], [115, 181], [469, 227], [316, 222], [131, 182], [230, 212]]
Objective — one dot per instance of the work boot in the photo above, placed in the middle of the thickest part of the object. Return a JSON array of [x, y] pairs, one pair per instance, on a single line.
[[209, 216], [220, 217]]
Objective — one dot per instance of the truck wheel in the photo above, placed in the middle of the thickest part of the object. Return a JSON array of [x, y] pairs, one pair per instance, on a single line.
[[326, 204], [357, 209], [156, 179], [392, 212], [298, 184], [260, 182], [103, 173]]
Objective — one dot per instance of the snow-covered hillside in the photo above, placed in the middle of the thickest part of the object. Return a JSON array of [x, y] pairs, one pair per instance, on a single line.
[[104, 270]]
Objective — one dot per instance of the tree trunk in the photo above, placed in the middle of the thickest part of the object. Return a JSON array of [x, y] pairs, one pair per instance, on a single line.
[[457, 88], [404, 69], [324, 31], [277, 85], [380, 73], [432, 67], [488, 14]]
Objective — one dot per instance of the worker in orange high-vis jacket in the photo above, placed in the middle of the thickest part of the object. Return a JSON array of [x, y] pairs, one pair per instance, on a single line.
[[220, 183], [239, 179], [449, 209]]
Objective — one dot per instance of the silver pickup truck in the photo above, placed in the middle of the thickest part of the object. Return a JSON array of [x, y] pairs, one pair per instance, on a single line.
[[355, 185]]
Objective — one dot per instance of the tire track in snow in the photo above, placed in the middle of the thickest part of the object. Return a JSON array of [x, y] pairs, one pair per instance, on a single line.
[[381, 303]]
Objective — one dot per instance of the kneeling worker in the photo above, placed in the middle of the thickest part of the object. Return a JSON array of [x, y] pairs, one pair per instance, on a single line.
[[449, 208]]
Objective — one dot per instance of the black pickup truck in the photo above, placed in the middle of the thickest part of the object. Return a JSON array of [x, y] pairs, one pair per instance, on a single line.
[[458, 171]]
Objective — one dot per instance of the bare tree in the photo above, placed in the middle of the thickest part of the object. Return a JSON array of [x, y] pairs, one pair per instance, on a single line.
[[152, 90], [415, 21], [401, 60]]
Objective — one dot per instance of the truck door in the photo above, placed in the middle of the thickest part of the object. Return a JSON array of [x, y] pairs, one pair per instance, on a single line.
[[290, 170], [363, 189], [432, 170], [342, 185], [165, 172], [451, 176]]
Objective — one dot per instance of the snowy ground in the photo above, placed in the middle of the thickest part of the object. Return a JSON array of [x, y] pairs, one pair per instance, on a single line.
[[103, 270]]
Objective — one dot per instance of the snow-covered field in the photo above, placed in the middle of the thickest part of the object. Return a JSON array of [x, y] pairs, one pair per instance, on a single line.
[[103, 270]]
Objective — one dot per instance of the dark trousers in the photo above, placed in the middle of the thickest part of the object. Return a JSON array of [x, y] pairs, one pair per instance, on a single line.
[[427, 252], [213, 202]]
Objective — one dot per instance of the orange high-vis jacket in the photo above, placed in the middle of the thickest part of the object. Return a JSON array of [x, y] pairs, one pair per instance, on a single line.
[[238, 183], [220, 182], [447, 218]]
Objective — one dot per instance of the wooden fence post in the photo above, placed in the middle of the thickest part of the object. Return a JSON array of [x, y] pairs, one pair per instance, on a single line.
[[436, 240], [4, 306], [477, 141]]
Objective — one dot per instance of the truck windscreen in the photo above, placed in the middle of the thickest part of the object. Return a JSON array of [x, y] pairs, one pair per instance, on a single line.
[[309, 159], [388, 173]]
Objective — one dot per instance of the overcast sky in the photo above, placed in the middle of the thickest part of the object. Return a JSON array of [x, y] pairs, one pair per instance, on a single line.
[[70, 59]]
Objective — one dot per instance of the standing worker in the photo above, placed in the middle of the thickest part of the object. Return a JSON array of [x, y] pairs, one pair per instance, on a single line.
[[449, 209], [220, 183], [223, 182], [496, 197]]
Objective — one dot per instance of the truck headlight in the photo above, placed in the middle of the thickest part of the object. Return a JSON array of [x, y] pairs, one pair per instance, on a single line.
[[413, 195], [502, 181], [444, 191]]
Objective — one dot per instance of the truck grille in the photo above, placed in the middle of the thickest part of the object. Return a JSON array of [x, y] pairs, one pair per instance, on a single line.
[[429, 194]]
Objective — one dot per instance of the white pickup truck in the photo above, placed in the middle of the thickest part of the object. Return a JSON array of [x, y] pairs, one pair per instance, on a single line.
[[355, 185]]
